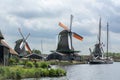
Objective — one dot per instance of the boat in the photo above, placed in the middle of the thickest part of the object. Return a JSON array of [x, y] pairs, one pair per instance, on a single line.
[[97, 55]]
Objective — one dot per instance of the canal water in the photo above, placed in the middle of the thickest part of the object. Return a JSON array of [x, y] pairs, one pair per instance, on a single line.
[[89, 72]]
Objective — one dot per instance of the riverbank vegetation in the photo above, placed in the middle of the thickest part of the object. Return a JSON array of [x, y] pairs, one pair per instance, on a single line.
[[18, 72], [29, 69], [115, 56]]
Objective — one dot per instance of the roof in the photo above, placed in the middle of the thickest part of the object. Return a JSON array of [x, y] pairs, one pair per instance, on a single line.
[[55, 55], [34, 56], [1, 36], [55, 52], [12, 51]]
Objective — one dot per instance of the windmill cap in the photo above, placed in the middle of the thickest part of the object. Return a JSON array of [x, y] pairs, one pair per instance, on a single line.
[[1, 36], [64, 32]]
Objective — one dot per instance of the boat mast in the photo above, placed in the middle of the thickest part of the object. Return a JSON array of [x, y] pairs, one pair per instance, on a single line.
[[99, 37], [107, 37]]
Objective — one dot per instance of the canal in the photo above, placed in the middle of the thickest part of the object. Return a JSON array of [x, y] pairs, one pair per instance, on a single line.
[[89, 72]]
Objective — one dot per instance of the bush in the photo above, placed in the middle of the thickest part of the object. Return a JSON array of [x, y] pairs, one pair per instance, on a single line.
[[2, 71], [31, 70], [13, 73], [45, 72], [60, 72], [44, 65], [36, 64], [12, 61], [16, 59], [18, 74], [29, 65], [56, 72], [52, 73], [24, 62], [38, 72], [29, 73]]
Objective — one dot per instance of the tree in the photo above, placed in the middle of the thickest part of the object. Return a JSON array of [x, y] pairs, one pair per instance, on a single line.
[[36, 51]]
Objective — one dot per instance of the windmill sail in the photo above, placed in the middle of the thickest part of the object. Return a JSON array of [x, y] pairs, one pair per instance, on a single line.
[[70, 33], [28, 48], [75, 35], [18, 49], [70, 41], [22, 45], [63, 26]]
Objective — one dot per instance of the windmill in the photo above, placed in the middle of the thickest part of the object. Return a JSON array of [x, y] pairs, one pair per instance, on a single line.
[[21, 44], [64, 36], [98, 52]]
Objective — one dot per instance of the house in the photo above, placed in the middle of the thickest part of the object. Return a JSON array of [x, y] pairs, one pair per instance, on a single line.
[[34, 56], [5, 51]]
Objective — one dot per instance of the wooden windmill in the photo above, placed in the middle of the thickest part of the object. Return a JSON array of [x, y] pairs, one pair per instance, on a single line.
[[21, 44], [98, 50], [65, 38]]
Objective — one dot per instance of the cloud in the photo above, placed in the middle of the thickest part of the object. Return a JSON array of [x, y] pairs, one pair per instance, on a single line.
[[40, 18]]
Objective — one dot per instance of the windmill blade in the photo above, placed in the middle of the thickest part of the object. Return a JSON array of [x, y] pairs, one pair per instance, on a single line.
[[27, 36], [21, 33], [70, 34], [71, 19], [63, 26], [77, 36], [22, 44], [28, 48], [24, 39]]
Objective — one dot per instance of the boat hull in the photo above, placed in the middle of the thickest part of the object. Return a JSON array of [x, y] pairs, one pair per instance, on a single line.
[[101, 62]]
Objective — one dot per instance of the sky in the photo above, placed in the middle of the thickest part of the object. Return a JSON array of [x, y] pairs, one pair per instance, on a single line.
[[40, 18]]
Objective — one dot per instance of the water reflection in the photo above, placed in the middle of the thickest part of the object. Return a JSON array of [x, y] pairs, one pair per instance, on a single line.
[[89, 72]]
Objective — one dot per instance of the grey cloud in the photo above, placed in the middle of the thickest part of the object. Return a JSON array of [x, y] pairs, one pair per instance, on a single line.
[[40, 33], [37, 14]]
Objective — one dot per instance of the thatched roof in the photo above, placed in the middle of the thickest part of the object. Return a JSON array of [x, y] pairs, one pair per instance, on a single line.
[[12, 51]]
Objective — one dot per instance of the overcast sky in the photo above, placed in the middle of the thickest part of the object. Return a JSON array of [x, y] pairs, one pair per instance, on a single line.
[[40, 18]]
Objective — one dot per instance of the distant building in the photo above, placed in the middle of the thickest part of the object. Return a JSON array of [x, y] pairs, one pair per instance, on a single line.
[[34, 56], [5, 51], [61, 56]]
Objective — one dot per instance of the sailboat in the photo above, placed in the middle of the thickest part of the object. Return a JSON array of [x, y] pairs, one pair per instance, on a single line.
[[97, 56]]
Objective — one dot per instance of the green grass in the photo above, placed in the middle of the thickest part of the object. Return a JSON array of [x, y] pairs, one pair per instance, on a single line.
[[29, 70]]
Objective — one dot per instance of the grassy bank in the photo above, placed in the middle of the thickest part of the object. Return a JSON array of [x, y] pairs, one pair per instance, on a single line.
[[29, 70]]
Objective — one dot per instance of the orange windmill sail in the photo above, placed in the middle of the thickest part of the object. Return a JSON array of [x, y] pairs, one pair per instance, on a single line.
[[63, 26], [77, 36]]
